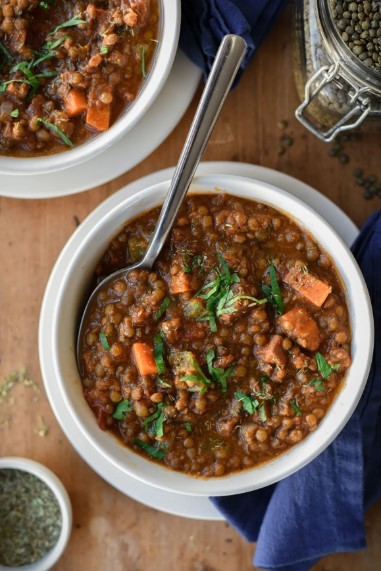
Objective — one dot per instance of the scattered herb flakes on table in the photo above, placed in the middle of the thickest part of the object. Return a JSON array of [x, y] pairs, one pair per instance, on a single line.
[[10, 382], [16, 378], [30, 518]]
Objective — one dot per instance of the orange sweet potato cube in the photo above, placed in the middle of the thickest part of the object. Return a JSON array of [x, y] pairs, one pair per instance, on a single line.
[[308, 285]]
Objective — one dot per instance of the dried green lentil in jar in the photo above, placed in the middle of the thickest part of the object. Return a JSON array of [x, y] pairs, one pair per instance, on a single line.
[[359, 25]]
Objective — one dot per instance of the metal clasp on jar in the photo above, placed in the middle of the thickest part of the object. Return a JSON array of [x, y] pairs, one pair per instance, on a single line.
[[358, 99]]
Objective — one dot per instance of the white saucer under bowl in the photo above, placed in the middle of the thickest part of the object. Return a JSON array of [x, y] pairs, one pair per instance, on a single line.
[[186, 506]]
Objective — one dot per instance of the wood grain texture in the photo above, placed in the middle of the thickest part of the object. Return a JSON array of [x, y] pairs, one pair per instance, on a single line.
[[111, 531]]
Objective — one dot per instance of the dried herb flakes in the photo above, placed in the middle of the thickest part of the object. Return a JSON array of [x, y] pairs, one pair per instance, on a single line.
[[15, 378], [30, 518]]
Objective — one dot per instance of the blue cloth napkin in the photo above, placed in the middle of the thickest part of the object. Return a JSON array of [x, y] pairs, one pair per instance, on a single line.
[[320, 509], [205, 22]]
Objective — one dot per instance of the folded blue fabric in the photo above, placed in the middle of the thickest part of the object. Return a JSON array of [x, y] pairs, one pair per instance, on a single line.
[[320, 509], [205, 22]]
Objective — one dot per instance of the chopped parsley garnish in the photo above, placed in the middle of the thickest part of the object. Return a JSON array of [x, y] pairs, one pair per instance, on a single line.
[[263, 394], [104, 50], [15, 113], [188, 426], [324, 368], [153, 451], [103, 340], [64, 137], [46, 5], [143, 61], [296, 408], [158, 353], [198, 376], [156, 420], [48, 51], [163, 383], [262, 412], [123, 407], [219, 296], [163, 308], [226, 303], [317, 384], [30, 79], [272, 292], [76, 21], [249, 404], [194, 262], [217, 373]]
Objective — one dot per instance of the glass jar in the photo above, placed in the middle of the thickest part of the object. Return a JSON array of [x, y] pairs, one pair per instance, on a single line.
[[337, 89]]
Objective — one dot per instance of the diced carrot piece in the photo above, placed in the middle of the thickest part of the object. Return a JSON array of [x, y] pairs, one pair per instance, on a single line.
[[273, 352], [308, 285], [180, 282], [75, 103], [301, 326], [99, 117], [144, 358]]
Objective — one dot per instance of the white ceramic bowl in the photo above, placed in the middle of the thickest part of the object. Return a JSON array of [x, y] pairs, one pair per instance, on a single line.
[[60, 493], [63, 319], [170, 16]]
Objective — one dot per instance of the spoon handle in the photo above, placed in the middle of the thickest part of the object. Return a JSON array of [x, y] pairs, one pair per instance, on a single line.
[[221, 77]]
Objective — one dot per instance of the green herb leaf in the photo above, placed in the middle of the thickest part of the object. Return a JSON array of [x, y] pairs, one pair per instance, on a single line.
[[123, 407], [188, 426], [163, 383], [317, 384], [249, 404], [158, 353], [76, 21], [15, 113], [163, 308], [324, 368], [104, 50], [296, 408], [226, 304], [156, 420], [273, 292], [48, 51], [218, 292], [218, 374], [143, 61], [262, 413], [195, 261], [103, 340], [64, 137], [153, 451]]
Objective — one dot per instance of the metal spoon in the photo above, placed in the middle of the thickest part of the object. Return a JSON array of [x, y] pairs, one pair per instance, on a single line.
[[221, 77]]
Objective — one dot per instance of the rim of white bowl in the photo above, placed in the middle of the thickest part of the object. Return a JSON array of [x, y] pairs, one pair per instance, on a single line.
[[339, 413], [170, 18], [59, 491]]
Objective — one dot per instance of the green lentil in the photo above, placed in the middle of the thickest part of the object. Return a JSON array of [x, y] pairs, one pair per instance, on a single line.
[[359, 26]]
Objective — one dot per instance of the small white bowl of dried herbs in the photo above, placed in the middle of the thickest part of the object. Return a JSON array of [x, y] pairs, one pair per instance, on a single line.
[[35, 516]]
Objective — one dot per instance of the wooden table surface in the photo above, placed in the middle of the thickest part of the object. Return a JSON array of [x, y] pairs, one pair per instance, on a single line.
[[112, 531]]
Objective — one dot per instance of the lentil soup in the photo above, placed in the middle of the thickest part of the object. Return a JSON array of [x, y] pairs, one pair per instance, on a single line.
[[230, 351], [69, 68]]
